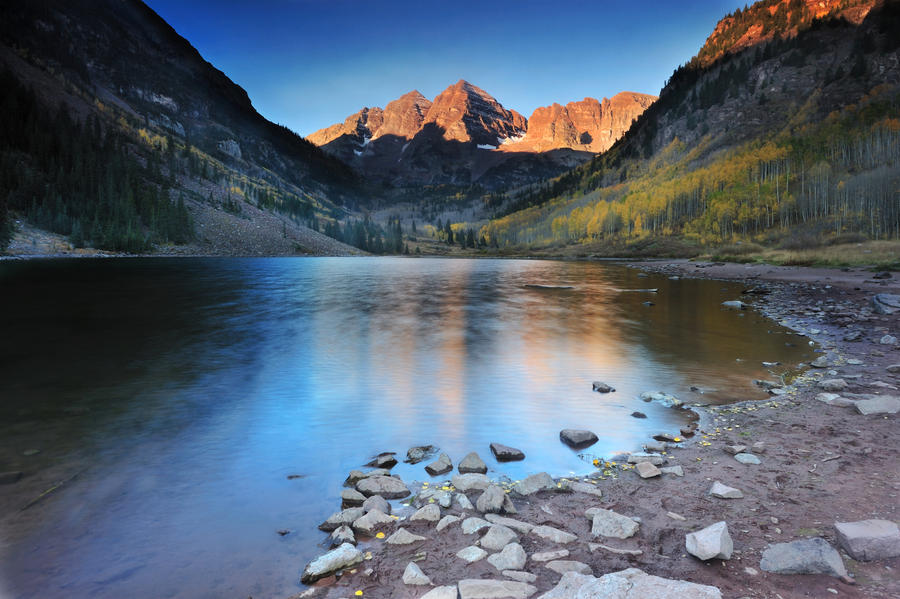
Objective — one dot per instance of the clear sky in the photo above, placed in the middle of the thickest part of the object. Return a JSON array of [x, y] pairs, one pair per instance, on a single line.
[[310, 63]]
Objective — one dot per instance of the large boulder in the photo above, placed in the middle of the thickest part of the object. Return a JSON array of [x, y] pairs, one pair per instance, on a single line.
[[472, 463], [534, 483], [505, 453], [869, 539], [628, 584], [325, 565], [713, 542], [577, 438], [386, 486], [806, 556]]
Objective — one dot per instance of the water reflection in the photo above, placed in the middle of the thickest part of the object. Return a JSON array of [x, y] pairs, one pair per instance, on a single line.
[[185, 391]]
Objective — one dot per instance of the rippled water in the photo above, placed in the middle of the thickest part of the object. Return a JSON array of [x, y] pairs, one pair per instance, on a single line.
[[181, 393]]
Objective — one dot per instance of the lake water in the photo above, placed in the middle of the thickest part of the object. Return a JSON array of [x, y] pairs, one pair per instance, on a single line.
[[176, 396]]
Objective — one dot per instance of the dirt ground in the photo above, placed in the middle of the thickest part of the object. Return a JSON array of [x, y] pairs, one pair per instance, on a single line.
[[820, 464]]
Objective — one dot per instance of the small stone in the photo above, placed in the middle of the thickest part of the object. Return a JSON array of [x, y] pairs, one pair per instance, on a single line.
[[854, 362], [712, 542], [869, 540], [462, 502], [549, 556], [473, 525], [607, 523], [519, 576], [674, 470], [878, 405], [647, 470], [750, 571], [471, 554], [337, 559], [351, 498], [734, 449], [446, 521], [413, 575], [669, 401], [340, 518], [747, 458], [638, 415], [888, 340], [469, 482], [833, 385], [724, 491], [372, 522], [490, 500], [516, 525], [602, 387], [586, 488], [31, 452], [563, 566], [414, 455], [893, 368], [442, 465], [595, 546], [376, 502], [504, 453], [497, 538], [472, 463], [734, 305], [429, 513], [446, 592], [554, 535], [494, 589], [853, 336], [577, 438], [637, 458], [404, 537], [512, 557], [655, 446], [383, 460], [820, 362], [805, 556], [534, 483], [675, 516]]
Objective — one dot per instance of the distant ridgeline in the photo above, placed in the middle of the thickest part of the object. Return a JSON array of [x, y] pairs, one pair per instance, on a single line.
[[784, 121]]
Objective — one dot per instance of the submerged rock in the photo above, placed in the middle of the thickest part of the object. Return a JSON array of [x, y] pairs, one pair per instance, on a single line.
[[602, 387]]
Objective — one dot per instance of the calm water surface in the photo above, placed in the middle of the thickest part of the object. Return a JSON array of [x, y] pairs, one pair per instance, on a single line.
[[180, 394]]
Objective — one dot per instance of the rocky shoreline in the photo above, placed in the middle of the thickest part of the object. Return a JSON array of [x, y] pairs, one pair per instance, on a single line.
[[795, 496]]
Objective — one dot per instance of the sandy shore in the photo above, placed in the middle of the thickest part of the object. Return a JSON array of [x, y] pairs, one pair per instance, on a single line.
[[820, 464]]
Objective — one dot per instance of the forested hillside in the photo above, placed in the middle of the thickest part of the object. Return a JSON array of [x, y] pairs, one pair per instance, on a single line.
[[800, 133]]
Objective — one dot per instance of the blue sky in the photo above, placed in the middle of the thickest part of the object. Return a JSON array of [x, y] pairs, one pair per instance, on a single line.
[[310, 63]]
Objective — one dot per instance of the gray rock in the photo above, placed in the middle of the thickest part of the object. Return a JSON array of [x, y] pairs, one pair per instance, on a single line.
[[833, 385], [447, 521], [520, 576], [712, 542], [647, 470], [472, 463], [494, 589], [512, 557], [607, 523], [469, 482], [340, 518], [384, 460], [414, 576], [497, 538], [879, 405], [655, 459], [534, 483], [337, 559], [673, 470], [351, 498], [724, 491], [462, 502], [490, 500], [549, 556], [805, 556], [446, 592], [516, 525], [341, 535], [628, 584], [417, 454], [386, 486], [577, 438], [372, 522], [504, 453], [888, 340], [758, 447], [354, 477], [586, 488], [471, 554], [869, 540], [893, 368], [885, 303], [376, 502], [508, 507], [747, 458], [429, 513], [734, 449], [669, 401], [554, 535], [602, 387], [404, 537], [562, 566], [734, 305], [595, 546], [656, 446], [442, 465], [473, 525], [820, 362]]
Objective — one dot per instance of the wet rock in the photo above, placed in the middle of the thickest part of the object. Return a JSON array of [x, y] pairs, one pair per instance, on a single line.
[[607, 523], [417, 454], [724, 491], [562, 566], [446, 592], [354, 477], [577, 438], [8, 478], [534, 483], [491, 500], [471, 554], [511, 557], [442, 465], [885, 303], [376, 502], [520, 576], [878, 405], [656, 446], [470, 482], [372, 522], [638, 415], [341, 535], [628, 584], [386, 486], [673, 470], [337, 559], [805, 556], [554, 535], [665, 437], [473, 525], [585, 488], [869, 540], [462, 502], [447, 521], [384, 460], [404, 537], [655, 459], [516, 525], [670, 401], [497, 537], [747, 458], [340, 518], [414, 576], [472, 463], [734, 305], [647, 470], [429, 513], [504, 453], [602, 387], [352, 498], [549, 556], [767, 385], [494, 589], [712, 542]]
